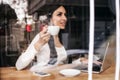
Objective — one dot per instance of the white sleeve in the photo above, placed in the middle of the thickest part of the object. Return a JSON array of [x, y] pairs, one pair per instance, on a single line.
[[25, 58], [61, 53]]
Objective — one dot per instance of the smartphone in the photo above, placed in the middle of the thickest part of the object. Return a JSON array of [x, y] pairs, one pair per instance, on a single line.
[[41, 74]]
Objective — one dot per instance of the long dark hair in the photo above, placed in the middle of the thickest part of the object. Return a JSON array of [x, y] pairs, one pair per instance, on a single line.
[[49, 16]]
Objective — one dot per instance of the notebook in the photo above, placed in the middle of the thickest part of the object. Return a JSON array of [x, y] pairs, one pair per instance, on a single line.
[[106, 62]]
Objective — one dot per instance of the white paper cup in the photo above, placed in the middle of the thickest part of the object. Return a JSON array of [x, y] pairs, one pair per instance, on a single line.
[[53, 30]]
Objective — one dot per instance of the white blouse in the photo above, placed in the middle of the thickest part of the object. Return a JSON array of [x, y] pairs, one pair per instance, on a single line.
[[43, 56]]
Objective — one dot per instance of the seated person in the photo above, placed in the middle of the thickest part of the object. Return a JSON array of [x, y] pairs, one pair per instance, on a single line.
[[39, 46]]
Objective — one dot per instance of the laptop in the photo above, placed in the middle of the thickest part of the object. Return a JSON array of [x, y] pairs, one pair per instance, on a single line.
[[106, 62]]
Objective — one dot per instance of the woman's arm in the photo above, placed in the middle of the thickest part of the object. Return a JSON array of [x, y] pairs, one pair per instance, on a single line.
[[38, 42], [25, 58]]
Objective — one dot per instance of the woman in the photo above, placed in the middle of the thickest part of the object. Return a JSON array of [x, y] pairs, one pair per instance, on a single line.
[[39, 47]]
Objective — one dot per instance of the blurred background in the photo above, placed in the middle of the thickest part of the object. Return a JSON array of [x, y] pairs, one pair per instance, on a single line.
[[20, 22]]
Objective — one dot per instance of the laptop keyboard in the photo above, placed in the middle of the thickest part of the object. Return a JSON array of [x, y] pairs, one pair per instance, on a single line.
[[96, 67]]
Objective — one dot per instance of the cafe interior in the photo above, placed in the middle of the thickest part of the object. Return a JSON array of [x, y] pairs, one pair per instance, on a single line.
[[20, 22]]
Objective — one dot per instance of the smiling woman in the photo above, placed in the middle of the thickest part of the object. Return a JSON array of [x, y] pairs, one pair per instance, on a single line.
[[45, 47]]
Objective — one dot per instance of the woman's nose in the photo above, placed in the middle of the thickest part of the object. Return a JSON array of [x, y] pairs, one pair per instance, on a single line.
[[64, 17]]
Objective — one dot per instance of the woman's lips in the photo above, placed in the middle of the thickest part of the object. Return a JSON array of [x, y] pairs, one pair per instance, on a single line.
[[63, 23]]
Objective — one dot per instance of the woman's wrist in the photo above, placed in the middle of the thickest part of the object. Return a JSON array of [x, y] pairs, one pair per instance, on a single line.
[[37, 46]]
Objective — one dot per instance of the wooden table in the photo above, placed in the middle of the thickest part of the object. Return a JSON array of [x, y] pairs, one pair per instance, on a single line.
[[10, 73]]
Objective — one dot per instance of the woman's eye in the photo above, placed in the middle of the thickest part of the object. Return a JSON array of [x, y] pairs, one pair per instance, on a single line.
[[59, 14]]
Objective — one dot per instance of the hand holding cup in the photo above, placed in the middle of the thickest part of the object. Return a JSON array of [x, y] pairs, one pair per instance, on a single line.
[[53, 30]]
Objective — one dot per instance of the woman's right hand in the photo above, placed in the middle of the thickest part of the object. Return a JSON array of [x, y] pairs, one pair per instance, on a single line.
[[43, 39], [44, 35]]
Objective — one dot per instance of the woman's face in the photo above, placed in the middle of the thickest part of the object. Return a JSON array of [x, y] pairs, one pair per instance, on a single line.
[[59, 17]]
